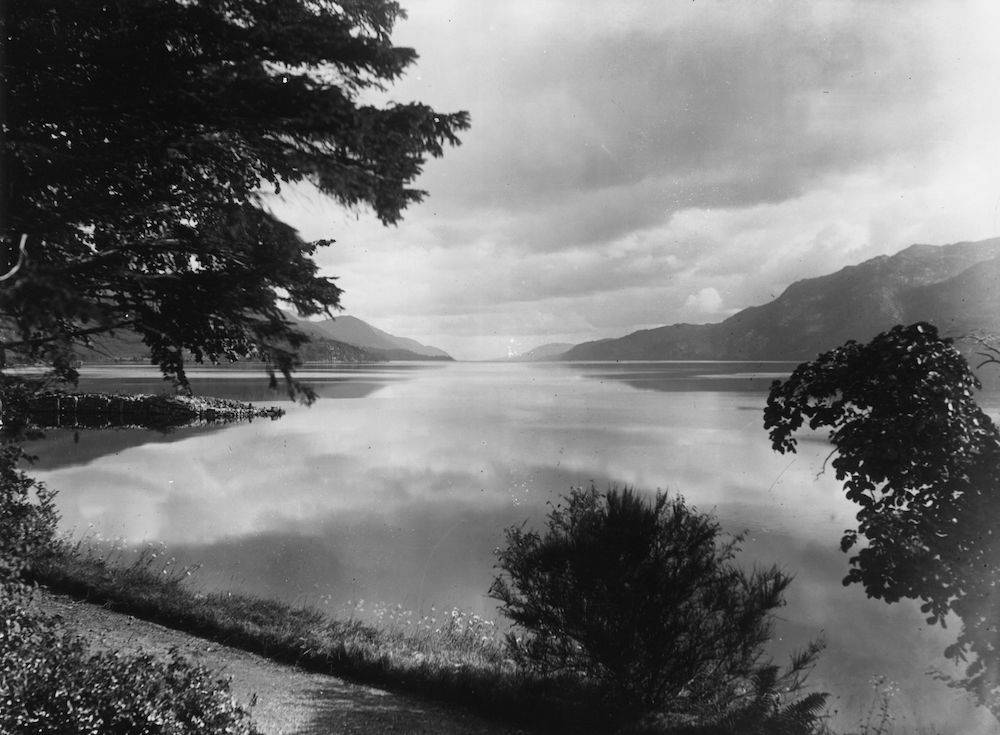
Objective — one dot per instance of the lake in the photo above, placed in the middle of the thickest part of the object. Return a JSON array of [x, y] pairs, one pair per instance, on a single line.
[[396, 485]]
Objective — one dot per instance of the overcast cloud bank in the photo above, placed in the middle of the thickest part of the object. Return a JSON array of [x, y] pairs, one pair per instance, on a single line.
[[638, 164]]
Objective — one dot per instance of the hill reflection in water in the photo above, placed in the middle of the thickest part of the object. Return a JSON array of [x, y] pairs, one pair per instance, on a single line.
[[690, 376]]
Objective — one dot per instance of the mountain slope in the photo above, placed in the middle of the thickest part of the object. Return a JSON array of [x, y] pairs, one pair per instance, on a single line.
[[954, 286], [343, 340], [354, 331], [547, 351], [968, 302], [127, 346], [124, 346]]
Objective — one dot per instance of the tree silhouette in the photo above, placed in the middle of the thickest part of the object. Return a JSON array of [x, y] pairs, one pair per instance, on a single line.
[[921, 459], [644, 598], [138, 137]]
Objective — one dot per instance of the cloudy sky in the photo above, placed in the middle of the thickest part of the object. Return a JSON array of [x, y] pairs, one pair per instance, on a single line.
[[634, 164]]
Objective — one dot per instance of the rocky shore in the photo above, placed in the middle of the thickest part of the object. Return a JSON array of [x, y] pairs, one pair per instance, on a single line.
[[60, 409]]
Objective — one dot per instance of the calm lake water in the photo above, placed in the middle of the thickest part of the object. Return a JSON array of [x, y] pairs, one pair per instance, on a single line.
[[396, 485]]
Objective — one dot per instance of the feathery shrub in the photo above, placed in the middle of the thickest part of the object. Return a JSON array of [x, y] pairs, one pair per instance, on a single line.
[[644, 598]]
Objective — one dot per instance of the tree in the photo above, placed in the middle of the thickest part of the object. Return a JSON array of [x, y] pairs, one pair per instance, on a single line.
[[921, 459], [137, 139], [644, 599]]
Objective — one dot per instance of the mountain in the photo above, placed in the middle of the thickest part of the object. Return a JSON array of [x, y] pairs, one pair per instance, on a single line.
[[124, 346], [968, 302], [322, 349], [549, 351], [127, 346], [353, 331], [956, 287], [344, 339]]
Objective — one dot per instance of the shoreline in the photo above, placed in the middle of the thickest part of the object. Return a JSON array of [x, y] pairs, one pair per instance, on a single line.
[[475, 679], [53, 409], [282, 698]]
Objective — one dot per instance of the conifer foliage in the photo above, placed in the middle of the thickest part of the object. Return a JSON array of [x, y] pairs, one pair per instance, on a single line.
[[137, 139]]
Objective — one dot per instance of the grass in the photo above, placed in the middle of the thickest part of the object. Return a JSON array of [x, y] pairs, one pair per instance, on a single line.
[[450, 655], [453, 657], [452, 637]]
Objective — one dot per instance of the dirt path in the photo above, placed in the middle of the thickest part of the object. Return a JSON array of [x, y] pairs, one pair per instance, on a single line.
[[288, 700]]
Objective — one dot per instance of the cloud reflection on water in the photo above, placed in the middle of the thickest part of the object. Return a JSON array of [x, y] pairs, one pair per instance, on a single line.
[[401, 496]]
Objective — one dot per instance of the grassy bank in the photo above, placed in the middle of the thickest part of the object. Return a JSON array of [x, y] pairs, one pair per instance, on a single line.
[[456, 658], [451, 657]]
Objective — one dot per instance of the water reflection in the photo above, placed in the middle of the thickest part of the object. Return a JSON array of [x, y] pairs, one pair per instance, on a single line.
[[689, 376], [66, 447], [401, 496], [251, 383]]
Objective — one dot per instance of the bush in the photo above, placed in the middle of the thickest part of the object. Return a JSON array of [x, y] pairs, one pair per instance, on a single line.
[[50, 683], [27, 517], [644, 599]]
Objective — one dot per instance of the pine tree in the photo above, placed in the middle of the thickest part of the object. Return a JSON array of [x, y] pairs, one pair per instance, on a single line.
[[137, 140]]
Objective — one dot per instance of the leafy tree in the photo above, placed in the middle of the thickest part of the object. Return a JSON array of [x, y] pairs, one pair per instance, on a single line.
[[138, 137], [644, 599], [922, 461]]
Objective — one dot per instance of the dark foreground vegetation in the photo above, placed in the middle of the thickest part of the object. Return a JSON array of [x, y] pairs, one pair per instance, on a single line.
[[921, 460], [707, 642], [643, 598], [51, 683]]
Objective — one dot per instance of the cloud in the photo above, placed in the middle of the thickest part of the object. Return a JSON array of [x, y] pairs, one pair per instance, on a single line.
[[706, 301], [625, 158], [719, 109]]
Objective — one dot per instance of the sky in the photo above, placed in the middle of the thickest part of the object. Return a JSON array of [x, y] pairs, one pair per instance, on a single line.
[[633, 164]]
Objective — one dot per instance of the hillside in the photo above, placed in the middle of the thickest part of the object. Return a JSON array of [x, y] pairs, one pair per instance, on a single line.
[[354, 331], [953, 286], [548, 351], [346, 339], [329, 350], [124, 346], [127, 346]]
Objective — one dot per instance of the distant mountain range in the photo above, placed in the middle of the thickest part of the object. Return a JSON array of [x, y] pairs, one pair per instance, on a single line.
[[956, 287], [343, 339], [549, 351]]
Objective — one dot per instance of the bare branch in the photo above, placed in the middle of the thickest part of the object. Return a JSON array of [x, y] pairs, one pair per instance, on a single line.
[[21, 256]]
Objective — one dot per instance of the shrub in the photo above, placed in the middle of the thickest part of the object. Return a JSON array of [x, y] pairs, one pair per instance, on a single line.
[[644, 599], [27, 516], [50, 683]]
